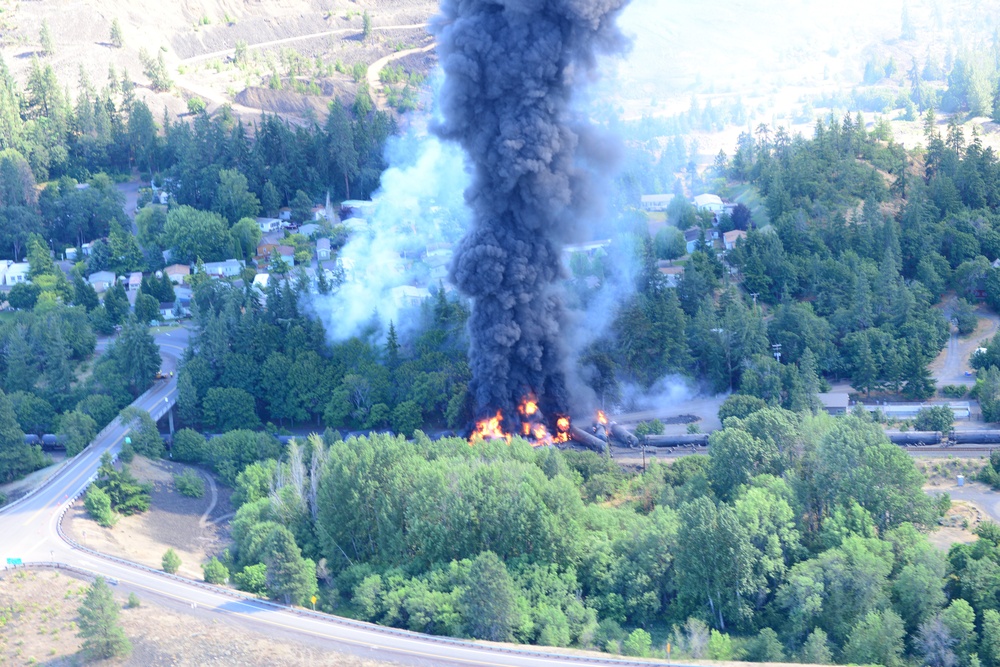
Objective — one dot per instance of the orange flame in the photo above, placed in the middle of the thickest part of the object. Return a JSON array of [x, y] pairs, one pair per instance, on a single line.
[[601, 417], [540, 432], [563, 424], [529, 406], [489, 429]]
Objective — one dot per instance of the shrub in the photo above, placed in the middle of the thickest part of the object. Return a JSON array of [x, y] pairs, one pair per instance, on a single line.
[[215, 572], [133, 601], [253, 579], [954, 390], [189, 446], [740, 405], [127, 453], [190, 484], [171, 561], [637, 644], [98, 505], [937, 418]]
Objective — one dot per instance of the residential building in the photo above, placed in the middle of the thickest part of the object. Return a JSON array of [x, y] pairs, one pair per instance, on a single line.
[[260, 281], [651, 203], [834, 402], [308, 229], [729, 239], [265, 250], [671, 274], [268, 224], [323, 249], [357, 208], [284, 214], [134, 281], [707, 202], [226, 269], [70, 254], [167, 311], [691, 237], [101, 280], [177, 273], [16, 273]]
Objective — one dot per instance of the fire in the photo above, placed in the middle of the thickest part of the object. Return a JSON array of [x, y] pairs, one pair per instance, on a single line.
[[601, 417], [489, 429], [533, 427], [528, 407]]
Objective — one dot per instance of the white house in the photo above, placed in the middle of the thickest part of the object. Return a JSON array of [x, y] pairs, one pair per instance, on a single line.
[[655, 202], [260, 281], [101, 280], [268, 225], [16, 273], [134, 281], [70, 254], [177, 273], [323, 249], [226, 269], [707, 202]]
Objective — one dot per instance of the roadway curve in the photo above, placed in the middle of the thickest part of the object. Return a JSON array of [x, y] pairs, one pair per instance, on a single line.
[[32, 531]]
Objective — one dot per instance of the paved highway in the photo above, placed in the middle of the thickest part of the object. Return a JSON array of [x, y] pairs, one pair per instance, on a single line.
[[31, 531]]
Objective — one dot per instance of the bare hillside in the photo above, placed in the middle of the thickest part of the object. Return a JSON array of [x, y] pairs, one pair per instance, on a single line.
[[298, 53]]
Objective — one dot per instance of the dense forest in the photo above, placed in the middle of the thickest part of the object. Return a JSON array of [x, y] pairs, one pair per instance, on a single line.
[[47, 137]]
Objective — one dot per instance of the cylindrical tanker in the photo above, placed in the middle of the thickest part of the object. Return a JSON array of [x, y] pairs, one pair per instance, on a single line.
[[624, 436], [589, 441], [695, 439], [989, 437], [914, 437]]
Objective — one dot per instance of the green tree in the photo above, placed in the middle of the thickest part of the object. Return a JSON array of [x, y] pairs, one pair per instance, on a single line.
[[246, 232], [98, 506], [737, 457], [138, 356], [489, 600], [877, 639], [191, 234], [290, 577], [215, 572], [126, 256], [102, 634], [669, 243], [45, 39], [233, 199], [366, 26], [226, 409], [76, 430], [252, 579], [23, 296], [816, 649], [406, 418], [936, 418], [342, 151], [16, 458], [171, 561], [84, 294], [116, 304], [960, 621], [189, 446], [989, 646], [117, 38], [637, 644], [147, 308]]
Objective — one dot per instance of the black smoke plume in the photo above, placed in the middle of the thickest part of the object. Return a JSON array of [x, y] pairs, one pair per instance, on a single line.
[[510, 70]]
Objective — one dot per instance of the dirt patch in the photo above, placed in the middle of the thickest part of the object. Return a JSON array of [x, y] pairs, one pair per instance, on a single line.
[[41, 612], [173, 521], [16, 489], [945, 471], [957, 525]]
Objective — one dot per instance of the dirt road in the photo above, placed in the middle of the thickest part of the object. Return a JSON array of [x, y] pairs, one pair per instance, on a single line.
[[375, 69]]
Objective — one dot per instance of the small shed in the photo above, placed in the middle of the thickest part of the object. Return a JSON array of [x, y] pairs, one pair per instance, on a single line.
[[323, 249], [834, 402]]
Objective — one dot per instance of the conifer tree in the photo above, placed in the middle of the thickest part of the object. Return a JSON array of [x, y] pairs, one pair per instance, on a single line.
[[103, 636]]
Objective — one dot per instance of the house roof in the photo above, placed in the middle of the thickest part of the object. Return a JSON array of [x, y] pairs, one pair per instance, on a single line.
[[135, 278], [671, 270], [730, 237], [167, 305], [707, 200], [101, 277], [323, 244], [692, 234], [834, 399], [267, 248], [178, 270]]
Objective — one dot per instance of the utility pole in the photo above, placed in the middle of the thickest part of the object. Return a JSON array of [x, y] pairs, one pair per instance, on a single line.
[[754, 295], [777, 351]]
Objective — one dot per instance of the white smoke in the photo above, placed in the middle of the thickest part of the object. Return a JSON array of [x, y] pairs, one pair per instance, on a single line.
[[418, 204]]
